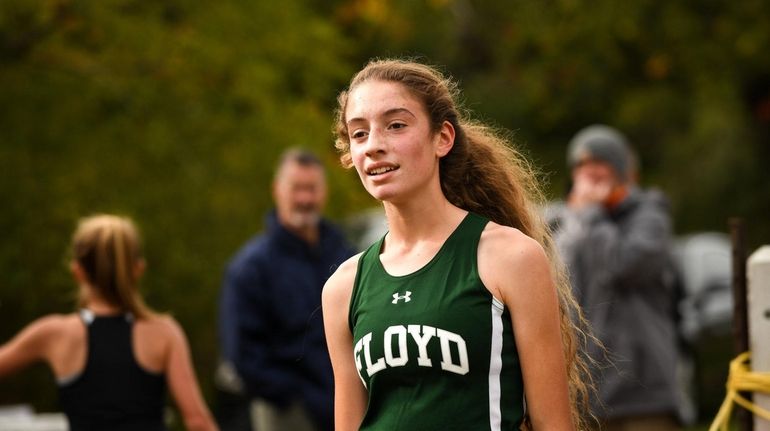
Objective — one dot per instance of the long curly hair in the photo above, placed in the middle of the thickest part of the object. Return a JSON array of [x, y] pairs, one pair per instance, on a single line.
[[485, 174]]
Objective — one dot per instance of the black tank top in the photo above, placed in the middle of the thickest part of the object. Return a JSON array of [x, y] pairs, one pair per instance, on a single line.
[[113, 392]]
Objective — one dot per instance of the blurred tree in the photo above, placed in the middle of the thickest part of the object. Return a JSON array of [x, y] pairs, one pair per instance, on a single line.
[[682, 79], [172, 112]]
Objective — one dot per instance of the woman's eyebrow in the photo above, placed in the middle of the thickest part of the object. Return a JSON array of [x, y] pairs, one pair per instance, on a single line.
[[387, 113], [397, 111]]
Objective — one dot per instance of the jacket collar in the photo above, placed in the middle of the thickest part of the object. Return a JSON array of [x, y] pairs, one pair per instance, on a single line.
[[288, 239]]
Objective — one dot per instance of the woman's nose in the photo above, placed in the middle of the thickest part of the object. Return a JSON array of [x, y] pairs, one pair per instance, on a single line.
[[375, 143]]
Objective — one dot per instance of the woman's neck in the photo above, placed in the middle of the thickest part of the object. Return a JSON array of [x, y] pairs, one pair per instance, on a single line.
[[96, 304], [422, 220], [416, 234]]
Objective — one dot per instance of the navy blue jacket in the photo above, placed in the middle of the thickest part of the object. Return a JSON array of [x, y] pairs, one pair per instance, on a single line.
[[270, 320]]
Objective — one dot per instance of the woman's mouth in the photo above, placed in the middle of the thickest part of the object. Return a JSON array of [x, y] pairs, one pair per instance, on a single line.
[[379, 170]]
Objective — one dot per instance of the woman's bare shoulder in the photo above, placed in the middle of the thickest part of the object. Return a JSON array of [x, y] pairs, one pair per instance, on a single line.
[[509, 245], [56, 325], [163, 325], [509, 260], [50, 330], [340, 284]]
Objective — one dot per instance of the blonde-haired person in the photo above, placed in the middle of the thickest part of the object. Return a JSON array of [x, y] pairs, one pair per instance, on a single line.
[[114, 358], [460, 317]]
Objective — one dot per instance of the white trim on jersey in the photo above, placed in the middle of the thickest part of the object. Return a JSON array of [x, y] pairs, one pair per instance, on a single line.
[[495, 365]]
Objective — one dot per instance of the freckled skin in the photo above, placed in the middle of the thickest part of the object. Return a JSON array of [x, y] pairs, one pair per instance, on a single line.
[[388, 127]]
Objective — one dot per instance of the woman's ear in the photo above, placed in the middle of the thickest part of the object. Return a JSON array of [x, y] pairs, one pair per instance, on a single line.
[[139, 268], [78, 273], [446, 139]]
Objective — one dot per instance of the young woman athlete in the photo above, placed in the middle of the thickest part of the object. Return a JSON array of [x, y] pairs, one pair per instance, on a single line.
[[114, 358], [460, 317]]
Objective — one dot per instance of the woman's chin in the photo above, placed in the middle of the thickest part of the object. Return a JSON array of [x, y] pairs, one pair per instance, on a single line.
[[380, 193]]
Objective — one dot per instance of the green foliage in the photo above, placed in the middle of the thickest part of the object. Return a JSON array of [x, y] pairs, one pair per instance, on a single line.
[[170, 112], [687, 81]]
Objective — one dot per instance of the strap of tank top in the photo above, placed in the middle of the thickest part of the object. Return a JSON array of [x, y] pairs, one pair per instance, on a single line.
[[372, 252], [87, 316], [474, 226], [465, 240], [468, 232]]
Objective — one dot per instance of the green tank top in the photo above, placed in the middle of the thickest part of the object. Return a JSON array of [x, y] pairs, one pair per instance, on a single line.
[[434, 348]]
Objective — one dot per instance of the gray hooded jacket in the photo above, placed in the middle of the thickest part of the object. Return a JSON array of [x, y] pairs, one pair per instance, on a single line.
[[622, 275]]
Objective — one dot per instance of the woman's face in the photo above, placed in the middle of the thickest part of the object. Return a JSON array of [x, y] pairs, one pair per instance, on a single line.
[[392, 146]]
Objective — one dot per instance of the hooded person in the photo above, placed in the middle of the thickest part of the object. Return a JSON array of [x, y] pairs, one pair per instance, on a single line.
[[615, 240]]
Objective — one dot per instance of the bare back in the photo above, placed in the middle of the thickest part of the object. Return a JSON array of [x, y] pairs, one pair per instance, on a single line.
[[158, 345], [61, 341]]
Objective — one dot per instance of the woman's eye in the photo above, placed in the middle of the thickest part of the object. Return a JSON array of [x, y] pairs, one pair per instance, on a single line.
[[358, 134], [397, 125]]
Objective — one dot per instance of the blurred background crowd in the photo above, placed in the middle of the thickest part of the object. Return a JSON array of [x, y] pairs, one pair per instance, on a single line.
[[174, 113]]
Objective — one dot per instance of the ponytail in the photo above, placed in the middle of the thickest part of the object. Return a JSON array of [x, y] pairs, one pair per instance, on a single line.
[[108, 249]]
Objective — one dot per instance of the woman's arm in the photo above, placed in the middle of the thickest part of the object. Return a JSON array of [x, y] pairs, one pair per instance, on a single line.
[[349, 392], [28, 346], [182, 381], [515, 268]]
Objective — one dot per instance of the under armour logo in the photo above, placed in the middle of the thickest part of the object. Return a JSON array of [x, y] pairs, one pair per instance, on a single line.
[[406, 297]]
